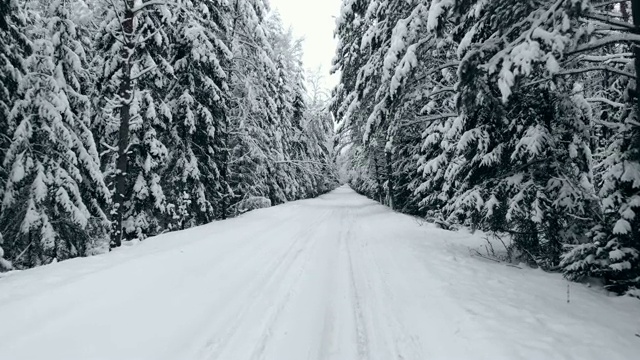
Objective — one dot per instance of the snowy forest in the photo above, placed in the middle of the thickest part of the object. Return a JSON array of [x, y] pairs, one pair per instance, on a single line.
[[320, 179], [518, 118], [124, 119]]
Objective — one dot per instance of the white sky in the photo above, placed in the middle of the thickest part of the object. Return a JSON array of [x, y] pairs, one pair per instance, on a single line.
[[314, 20]]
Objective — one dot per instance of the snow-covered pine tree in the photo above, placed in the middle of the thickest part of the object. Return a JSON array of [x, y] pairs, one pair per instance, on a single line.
[[614, 252], [14, 48], [379, 18], [55, 188], [362, 163], [390, 36], [311, 148], [263, 147], [317, 135], [290, 152], [135, 43], [414, 97], [247, 138], [438, 113], [514, 149], [507, 138], [224, 141], [196, 100], [4, 263]]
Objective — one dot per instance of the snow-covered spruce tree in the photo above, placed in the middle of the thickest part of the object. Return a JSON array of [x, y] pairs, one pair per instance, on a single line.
[[413, 97], [507, 139], [374, 42], [55, 188], [317, 135], [516, 150], [196, 99], [364, 163], [14, 48], [378, 21], [391, 38], [439, 116], [401, 89], [418, 114], [245, 137], [614, 253], [135, 43], [265, 148], [348, 60], [269, 154], [5, 264], [292, 164]]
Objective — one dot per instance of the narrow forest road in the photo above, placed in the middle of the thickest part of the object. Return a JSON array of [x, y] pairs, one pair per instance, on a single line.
[[337, 277]]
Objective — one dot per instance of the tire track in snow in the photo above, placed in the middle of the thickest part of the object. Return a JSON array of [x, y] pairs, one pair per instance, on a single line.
[[329, 318], [340, 332], [259, 350], [382, 332], [362, 340], [259, 292], [258, 257], [82, 307], [403, 344]]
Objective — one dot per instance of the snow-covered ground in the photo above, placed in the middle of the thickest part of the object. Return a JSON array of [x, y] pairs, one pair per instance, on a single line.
[[338, 277]]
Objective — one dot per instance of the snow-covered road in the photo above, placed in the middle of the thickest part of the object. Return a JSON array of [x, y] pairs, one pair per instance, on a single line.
[[338, 277]]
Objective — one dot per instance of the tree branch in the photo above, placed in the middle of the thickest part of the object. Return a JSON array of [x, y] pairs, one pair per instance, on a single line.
[[431, 118], [607, 40]]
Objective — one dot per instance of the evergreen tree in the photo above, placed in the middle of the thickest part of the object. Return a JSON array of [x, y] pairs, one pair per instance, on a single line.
[[196, 100], [55, 189], [190, 111], [4, 264], [497, 104], [252, 119], [135, 42], [14, 47]]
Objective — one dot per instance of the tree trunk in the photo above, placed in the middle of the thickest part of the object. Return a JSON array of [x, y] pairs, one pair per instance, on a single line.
[[390, 190], [224, 170], [634, 146], [226, 151], [125, 94], [635, 11], [380, 187]]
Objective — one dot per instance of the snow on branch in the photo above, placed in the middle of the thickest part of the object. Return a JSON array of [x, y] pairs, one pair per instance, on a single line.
[[597, 68], [143, 72], [607, 3], [442, 90], [622, 58], [607, 40], [605, 101], [583, 70], [607, 19], [429, 119], [136, 9], [439, 68]]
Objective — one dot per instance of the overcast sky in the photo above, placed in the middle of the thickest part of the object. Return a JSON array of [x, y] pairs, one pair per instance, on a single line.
[[315, 21]]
